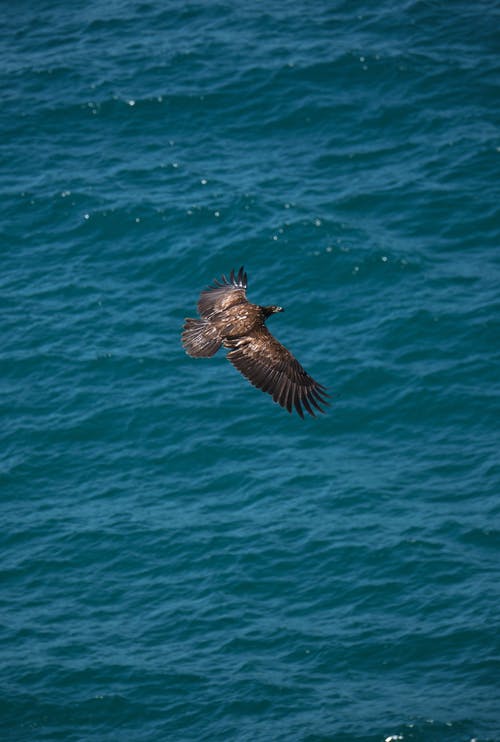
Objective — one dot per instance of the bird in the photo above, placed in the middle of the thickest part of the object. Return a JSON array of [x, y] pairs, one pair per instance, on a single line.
[[229, 320]]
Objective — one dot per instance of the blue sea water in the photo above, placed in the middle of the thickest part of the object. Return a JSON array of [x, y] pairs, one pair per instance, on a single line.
[[182, 559]]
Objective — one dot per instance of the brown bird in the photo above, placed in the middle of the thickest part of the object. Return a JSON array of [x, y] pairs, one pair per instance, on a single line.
[[230, 320]]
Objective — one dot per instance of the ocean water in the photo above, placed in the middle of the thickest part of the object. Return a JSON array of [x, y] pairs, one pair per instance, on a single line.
[[182, 559]]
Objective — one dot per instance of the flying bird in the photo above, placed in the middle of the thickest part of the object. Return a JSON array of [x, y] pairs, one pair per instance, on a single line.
[[228, 319]]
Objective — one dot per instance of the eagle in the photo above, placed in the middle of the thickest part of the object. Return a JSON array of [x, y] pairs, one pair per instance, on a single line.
[[228, 319]]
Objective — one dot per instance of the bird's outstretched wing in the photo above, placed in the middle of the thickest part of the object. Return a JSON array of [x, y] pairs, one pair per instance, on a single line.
[[269, 366], [223, 294]]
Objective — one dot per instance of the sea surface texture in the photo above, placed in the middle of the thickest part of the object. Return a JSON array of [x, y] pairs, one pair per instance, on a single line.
[[182, 559]]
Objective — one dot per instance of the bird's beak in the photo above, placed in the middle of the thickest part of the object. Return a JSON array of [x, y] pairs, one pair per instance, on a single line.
[[280, 309]]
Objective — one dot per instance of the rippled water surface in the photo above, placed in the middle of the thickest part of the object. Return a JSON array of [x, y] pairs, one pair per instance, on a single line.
[[182, 559]]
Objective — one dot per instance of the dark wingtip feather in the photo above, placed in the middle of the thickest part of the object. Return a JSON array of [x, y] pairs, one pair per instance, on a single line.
[[314, 400], [239, 279], [307, 406], [298, 407], [242, 277]]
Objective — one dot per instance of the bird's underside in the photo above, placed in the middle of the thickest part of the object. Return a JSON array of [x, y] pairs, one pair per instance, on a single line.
[[228, 319]]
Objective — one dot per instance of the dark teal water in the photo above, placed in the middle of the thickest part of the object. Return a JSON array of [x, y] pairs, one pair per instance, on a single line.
[[181, 559]]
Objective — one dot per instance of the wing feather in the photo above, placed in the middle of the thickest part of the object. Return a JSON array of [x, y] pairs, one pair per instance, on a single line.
[[269, 366], [307, 407], [223, 293]]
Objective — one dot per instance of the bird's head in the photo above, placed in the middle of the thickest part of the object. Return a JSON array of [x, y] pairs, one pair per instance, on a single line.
[[272, 310]]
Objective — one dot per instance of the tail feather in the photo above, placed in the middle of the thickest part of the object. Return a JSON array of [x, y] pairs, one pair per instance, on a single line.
[[200, 338]]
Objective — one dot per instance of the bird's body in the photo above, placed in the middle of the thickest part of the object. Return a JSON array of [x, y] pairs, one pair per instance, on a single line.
[[228, 319]]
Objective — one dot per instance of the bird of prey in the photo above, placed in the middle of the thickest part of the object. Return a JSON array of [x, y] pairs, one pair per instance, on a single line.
[[230, 320]]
